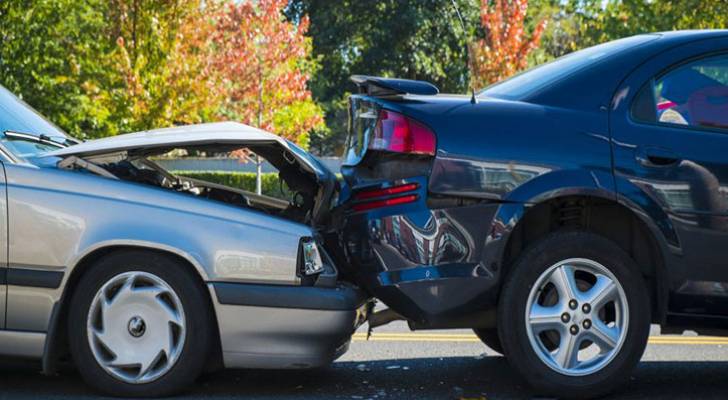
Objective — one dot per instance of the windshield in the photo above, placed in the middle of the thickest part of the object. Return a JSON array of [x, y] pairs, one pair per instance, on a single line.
[[27, 148], [16, 116], [532, 80], [30, 147]]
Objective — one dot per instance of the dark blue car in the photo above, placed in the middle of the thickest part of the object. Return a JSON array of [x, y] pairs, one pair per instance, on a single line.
[[558, 213]]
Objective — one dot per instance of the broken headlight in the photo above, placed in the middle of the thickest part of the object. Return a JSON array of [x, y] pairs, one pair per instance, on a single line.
[[311, 257]]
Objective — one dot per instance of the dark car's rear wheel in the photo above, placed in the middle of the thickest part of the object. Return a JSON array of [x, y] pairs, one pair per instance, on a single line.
[[139, 325], [489, 337], [574, 315]]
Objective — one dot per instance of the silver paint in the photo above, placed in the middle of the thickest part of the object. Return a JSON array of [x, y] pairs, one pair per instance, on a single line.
[[22, 344], [59, 217], [595, 341], [269, 337]]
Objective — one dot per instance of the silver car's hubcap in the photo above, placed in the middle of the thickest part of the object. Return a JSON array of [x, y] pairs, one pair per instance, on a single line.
[[577, 317], [136, 327]]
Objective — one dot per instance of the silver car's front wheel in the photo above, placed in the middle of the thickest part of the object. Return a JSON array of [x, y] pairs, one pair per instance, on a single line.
[[577, 316], [140, 325], [136, 327]]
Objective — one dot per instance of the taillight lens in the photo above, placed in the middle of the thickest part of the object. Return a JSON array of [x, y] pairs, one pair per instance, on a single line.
[[370, 199], [374, 193], [395, 201], [397, 133]]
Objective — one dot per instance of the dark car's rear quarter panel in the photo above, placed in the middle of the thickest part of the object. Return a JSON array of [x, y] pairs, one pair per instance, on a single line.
[[428, 264], [438, 261]]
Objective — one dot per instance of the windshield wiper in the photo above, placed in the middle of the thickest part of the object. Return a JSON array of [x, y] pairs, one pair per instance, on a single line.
[[45, 139]]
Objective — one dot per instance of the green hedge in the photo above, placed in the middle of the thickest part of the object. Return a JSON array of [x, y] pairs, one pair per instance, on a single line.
[[240, 180]]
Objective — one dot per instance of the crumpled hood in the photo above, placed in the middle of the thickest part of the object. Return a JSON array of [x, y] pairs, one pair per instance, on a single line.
[[179, 136]]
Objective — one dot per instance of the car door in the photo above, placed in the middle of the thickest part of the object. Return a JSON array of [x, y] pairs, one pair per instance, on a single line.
[[669, 125]]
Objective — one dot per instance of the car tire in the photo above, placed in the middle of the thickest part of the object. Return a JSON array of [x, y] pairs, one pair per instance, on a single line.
[[544, 348], [489, 337], [167, 338]]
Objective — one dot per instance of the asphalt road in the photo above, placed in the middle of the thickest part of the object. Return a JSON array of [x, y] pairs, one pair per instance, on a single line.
[[398, 364]]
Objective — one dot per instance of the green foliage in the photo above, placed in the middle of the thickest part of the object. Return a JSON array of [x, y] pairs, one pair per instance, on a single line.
[[101, 67], [271, 184], [52, 57], [415, 39], [583, 23]]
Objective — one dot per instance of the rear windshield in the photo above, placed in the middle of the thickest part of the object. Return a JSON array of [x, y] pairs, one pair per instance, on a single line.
[[534, 79]]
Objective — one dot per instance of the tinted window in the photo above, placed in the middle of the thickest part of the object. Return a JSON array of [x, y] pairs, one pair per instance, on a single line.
[[534, 79], [694, 94]]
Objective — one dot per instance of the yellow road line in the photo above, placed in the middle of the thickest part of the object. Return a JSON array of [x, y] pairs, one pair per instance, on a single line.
[[466, 338]]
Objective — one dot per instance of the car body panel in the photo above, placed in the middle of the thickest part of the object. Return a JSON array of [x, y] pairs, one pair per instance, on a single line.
[[261, 326], [687, 192], [61, 216], [54, 219], [499, 157]]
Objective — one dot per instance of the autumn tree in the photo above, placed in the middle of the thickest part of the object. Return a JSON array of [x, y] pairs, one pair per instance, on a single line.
[[52, 56], [264, 62], [414, 39], [161, 63], [504, 49]]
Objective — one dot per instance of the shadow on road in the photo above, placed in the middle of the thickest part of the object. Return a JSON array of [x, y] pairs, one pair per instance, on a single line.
[[425, 378]]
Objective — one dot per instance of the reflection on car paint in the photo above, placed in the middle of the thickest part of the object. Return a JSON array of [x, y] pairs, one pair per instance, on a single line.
[[478, 178]]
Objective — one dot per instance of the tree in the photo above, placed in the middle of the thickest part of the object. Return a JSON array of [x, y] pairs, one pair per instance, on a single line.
[[505, 48], [415, 39], [584, 23], [264, 62], [161, 64], [52, 56]]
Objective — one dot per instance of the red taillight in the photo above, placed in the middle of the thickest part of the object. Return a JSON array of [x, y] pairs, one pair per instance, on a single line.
[[366, 196], [396, 133], [370, 194], [385, 203]]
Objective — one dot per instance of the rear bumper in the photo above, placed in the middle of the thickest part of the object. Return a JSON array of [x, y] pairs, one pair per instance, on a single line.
[[439, 268], [276, 326]]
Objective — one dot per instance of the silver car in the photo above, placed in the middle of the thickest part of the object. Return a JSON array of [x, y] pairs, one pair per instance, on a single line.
[[146, 278]]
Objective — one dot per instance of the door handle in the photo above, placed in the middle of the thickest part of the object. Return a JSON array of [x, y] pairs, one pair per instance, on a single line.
[[651, 156]]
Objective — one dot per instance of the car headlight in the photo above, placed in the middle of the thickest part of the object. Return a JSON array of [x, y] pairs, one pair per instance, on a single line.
[[312, 263]]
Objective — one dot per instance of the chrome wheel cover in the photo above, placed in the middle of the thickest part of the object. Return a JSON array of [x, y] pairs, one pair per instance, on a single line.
[[577, 317], [136, 327]]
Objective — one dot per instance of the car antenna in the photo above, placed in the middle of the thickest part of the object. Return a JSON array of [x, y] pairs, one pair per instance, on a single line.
[[473, 99]]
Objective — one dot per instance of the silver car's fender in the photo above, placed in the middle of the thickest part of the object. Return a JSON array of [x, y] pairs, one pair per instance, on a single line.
[[58, 218]]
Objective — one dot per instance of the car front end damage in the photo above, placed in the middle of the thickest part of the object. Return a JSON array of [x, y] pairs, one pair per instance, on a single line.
[[278, 298]]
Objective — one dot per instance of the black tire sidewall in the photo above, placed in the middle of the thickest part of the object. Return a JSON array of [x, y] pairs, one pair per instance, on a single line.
[[489, 337], [511, 314], [198, 327]]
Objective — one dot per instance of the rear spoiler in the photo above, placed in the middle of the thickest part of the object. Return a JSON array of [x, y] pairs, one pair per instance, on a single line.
[[382, 87]]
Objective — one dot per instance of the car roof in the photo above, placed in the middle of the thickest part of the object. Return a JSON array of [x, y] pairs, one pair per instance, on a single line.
[[602, 78]]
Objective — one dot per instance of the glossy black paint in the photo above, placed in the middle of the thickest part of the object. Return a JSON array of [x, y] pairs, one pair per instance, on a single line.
[[439, 261]]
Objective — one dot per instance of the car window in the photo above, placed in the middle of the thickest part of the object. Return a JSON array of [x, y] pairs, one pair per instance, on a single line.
[[534, 79], [692, 95]]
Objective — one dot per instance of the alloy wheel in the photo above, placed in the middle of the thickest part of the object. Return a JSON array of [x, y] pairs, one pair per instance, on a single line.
[[577, 317]]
